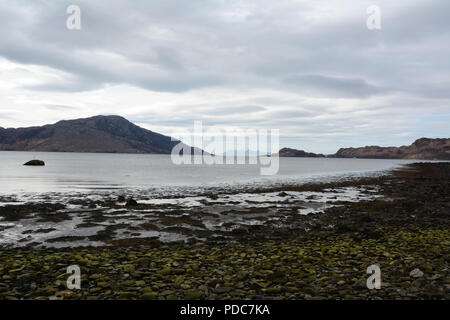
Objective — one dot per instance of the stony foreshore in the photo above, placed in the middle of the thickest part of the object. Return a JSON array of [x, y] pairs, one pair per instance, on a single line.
[[322, 255]]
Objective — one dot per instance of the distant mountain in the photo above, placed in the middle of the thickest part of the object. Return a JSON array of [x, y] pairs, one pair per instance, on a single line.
[[288, 152], [424, 149], [108, 134]]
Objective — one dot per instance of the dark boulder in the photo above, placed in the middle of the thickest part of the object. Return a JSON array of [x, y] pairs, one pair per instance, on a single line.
[[35, 163], [131, 202]]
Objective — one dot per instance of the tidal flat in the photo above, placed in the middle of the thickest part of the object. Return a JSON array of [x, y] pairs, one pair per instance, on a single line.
[[309, 241]]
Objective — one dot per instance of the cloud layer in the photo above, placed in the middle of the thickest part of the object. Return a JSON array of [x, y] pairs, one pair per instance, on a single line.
[[309, 68]]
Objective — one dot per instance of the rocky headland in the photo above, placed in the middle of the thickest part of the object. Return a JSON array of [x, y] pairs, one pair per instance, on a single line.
[[108, 134], [421, 149]]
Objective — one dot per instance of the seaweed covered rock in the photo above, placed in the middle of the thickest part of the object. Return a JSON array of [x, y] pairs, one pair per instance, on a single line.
[[35, 163]]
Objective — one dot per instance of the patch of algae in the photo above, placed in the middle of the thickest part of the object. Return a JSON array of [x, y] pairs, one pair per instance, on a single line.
[[333, 268]]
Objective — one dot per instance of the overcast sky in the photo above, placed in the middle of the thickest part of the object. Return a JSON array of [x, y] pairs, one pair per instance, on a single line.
[[310, 68]]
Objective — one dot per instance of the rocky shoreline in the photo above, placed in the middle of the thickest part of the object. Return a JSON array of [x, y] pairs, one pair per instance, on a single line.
[[320, 255]]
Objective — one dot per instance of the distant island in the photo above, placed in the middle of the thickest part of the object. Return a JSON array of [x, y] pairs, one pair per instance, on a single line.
[[288, 152]]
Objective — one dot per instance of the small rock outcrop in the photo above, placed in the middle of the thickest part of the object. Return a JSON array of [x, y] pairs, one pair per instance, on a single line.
[[35, 163], [288, 152]]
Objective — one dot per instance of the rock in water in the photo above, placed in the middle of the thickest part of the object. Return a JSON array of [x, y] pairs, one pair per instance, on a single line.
[[131, 202], [35, 163]]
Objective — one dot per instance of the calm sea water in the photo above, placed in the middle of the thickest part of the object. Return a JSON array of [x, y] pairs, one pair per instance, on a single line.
[[89, 171]]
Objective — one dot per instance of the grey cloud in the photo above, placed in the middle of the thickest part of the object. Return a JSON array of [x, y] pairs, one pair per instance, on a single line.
[[60, 107], [6, 115], [234, 110], [175, 47], [290, 114], [333, 86]]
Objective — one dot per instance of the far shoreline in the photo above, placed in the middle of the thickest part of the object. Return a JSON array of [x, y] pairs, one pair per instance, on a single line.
[[281, 157]]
